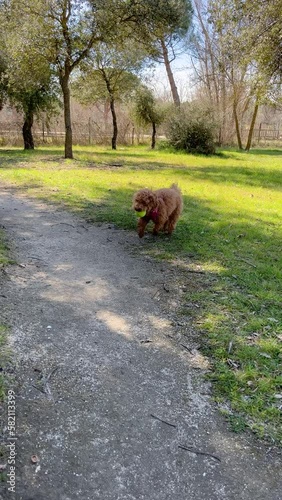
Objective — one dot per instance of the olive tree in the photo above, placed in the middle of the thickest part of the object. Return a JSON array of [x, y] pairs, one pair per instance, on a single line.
[[26, 76], [110, 75], [147, 112]]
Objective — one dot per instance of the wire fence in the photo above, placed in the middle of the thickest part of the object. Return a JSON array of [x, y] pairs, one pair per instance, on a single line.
[[84, 133], [90, 133]]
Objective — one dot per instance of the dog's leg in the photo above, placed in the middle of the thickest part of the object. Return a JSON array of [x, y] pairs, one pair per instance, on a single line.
[[142, 223], [171, 225], [161, 222], [157, 228]]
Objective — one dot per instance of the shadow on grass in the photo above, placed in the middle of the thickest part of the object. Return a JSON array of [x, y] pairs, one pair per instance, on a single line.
[[240, 175], [10, 158], [265, 152], [259, 177], [229, 153]]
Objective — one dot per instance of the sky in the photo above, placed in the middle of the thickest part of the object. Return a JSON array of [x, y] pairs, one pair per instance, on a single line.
[[182, 71]]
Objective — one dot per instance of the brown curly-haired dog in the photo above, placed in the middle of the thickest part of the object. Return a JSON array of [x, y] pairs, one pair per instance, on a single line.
[[163, 207]]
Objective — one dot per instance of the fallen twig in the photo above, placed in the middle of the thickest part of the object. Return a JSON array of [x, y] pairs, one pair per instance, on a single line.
[[38, 388], [163, 421], [45, 388], [157, 292], [194, 271], [198, 452], [187, 348], [247, 262], [51, 373]]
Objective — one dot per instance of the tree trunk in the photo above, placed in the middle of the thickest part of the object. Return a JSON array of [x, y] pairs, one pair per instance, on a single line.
[[211, 72], [171, 80], [27, 131], [115, 127], [154, 135], [112, 108], [252, 126], [64, 80], [223, 106], [237, 126]]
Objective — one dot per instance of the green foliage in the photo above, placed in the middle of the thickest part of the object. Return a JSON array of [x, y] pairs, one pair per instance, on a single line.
[[262, 34], [3, 83], [146, 109], [109, 73], [42, 99], [237, 423], [27, 74], [167, 19], [189, 131]]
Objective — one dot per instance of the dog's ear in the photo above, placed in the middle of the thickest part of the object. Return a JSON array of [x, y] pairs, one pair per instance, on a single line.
[[152, 199]]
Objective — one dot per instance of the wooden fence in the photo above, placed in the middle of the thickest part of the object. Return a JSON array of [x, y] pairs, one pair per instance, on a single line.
[[267, 133]]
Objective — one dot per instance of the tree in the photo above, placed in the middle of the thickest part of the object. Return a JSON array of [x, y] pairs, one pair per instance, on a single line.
[[73, 31], [226, 66], [109, 75], [74, 27], [146, 111], [209, 73], [64, 33], [263, 33], [169, 28], [31, 102], [26, 75], [235, 30], [3, 83]]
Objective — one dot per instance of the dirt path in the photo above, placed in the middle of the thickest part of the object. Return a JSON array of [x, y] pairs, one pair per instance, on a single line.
[[89, 385]]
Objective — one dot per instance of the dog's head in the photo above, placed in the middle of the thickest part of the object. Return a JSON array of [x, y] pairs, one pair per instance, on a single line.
[[144, 200]]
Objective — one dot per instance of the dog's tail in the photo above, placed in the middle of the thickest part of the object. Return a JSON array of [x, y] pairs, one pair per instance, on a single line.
[[176, 188]]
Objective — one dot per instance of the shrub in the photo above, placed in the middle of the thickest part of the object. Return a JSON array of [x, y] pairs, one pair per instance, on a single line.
[[194, 134]]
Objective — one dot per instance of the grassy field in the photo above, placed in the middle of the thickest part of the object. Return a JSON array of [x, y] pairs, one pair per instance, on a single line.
[[231, 226]]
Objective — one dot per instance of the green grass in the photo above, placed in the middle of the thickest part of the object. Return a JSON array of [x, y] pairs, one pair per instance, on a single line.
[[4, 256], [231, 225]]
